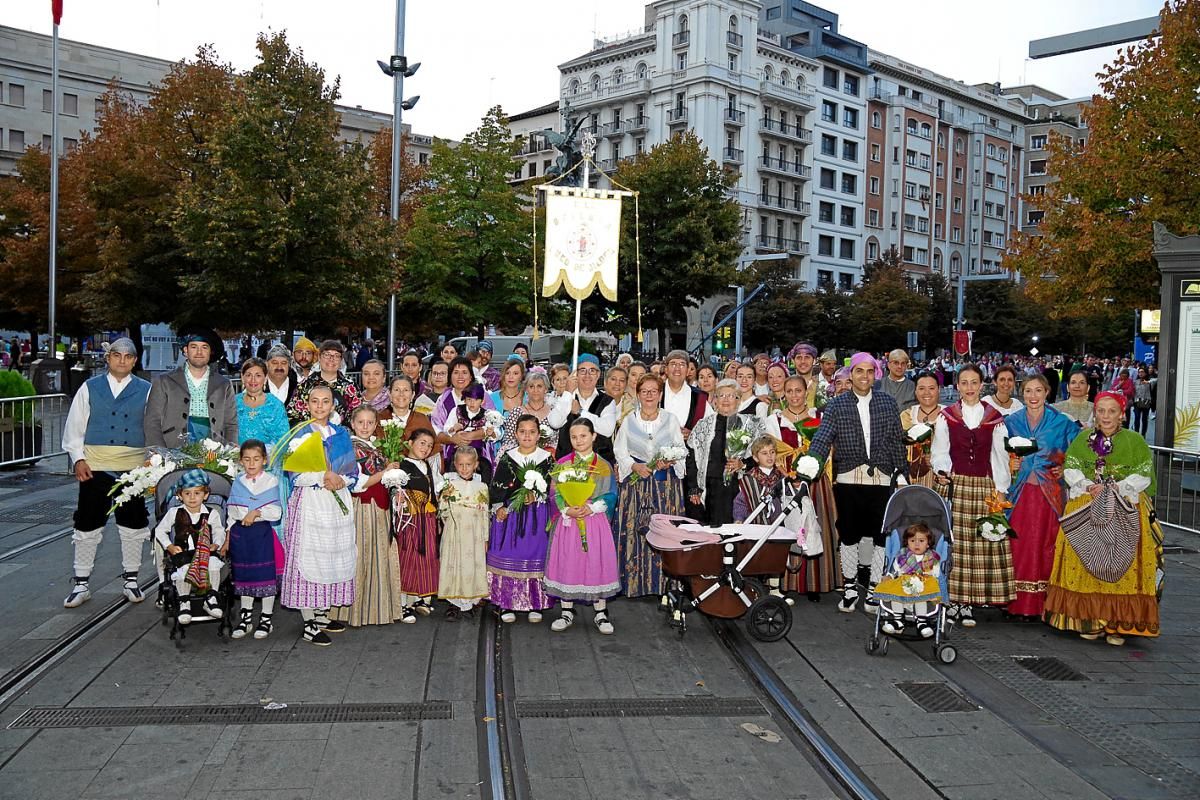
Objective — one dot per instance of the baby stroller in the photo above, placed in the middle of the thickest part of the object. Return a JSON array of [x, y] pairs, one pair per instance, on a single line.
[[169, 599], [720, 570], [909, 505]]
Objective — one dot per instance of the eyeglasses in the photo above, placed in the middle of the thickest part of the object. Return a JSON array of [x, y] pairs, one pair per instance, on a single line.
[[588, 371]]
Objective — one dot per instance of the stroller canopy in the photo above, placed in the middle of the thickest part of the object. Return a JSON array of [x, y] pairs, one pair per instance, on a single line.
[[912, 504]]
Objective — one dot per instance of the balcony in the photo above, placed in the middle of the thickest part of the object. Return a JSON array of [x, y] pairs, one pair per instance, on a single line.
[[785, 204], [779, 244], [628, 86], [734, 117], [733, 38], [784, 130], [788, 94], [680, 39], [789, 168], [637, 124], [613, 128], [732, 155], [677, 116]]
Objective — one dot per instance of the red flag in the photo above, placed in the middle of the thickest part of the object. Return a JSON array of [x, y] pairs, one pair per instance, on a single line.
[[56, 10]]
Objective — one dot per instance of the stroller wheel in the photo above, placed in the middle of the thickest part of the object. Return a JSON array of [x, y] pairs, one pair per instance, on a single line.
[[769, 618], [872, 644], [884, 641], [946, 653]]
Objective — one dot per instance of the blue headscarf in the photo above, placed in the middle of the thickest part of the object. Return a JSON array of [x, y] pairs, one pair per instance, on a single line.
[[191, 479]]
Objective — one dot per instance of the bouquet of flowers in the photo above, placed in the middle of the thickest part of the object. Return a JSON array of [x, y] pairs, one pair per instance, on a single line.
[[808, 468], [531, 488], [1102, 446], [547, 437], [208, 454], [574, 482], [737, 445], [913, 585], [994, 526], [394, 478], [141, 481], [821, 395], [495, 425], [807, 430], [307, 454], [391, 442], [1020, 446], [918, 434], [663, 459]]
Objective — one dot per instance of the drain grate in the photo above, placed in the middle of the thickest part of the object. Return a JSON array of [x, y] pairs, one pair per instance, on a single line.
[[45, 511], [936, 697], [642, 707], [1049, 668], [43, 717]]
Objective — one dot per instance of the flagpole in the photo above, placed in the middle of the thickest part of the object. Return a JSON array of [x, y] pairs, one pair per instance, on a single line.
[[588, 150], [53, 347]]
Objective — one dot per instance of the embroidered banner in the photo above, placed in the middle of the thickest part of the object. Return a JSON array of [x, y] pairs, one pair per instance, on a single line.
[[582, 239]]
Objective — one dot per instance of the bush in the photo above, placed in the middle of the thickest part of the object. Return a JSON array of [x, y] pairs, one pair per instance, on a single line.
[[585, 346], [13, 385]]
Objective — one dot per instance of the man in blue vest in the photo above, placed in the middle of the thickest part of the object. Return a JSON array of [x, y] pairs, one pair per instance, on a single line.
[[104, 437]]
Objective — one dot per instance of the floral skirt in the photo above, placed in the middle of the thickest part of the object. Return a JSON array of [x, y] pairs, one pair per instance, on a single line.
[[641, 564]]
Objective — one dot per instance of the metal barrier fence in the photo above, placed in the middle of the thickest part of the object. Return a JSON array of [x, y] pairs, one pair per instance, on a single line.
[[31, 428], [1177, 501]]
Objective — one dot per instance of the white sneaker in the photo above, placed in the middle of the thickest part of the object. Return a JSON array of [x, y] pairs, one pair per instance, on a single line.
[[133, 592], [965, 617], [213, 607], [184, 618], [563, 622], [80, 594], [602, 624], [508, 617], [535, 617], [849, 599]]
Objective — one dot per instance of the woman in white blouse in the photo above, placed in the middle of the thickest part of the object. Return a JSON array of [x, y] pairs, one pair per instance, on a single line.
[[651, 461]]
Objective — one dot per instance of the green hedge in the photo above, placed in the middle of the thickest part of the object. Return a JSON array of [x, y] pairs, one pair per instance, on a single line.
[[13, 385]]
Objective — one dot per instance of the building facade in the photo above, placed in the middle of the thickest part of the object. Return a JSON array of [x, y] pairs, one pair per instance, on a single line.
[[85, 74]]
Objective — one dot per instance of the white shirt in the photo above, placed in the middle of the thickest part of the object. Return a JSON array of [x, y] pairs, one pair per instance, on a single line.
[[864, 419], [164, 533], [679, 404], [1014, 406], [81, 411], [762, 389], [264, 481], [279, 392], [605, 422], [973, 417]]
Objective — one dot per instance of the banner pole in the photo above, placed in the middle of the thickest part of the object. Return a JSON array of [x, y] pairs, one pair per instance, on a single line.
[[575, 350], [589, 148]]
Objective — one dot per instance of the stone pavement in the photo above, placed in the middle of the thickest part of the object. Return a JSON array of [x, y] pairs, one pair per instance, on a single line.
[[1130, 730]]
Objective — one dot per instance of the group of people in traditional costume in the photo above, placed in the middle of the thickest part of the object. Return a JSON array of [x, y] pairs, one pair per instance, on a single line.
[[527, 489]]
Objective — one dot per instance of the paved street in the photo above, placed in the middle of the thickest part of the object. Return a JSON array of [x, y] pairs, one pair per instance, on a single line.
[[683, 719]]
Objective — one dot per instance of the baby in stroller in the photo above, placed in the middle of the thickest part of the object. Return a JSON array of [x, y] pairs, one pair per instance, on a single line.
[[915, 561], [190, 535]]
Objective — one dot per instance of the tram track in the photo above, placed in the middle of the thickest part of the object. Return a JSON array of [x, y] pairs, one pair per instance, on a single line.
[[41, 541]]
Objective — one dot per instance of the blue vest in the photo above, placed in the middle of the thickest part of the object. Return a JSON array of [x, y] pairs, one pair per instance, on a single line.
[[116, 420]]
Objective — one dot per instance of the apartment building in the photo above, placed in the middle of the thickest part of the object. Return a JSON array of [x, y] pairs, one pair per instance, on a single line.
[[85, 73], [1049, 114]]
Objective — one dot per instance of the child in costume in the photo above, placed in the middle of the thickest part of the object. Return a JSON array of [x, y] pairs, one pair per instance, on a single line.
[[468, 418], [763, 482], [463, 510], [516, 555], [255, 550], [915, 562], [415, 526], [190, 536], [582, 564]]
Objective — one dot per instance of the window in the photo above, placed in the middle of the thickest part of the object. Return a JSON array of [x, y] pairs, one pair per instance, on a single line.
[[1037, 167], [941, 140], [773, 12], [910, 222], [641, 71], [850, 118], [575, 86], [824, 278], [958, 144], [848, 217], [595, 84], [846, 250], [922, 225], [850, 85], [828, 145], [825, 245], [47, 101], [849, 150], [828, 111], [785, 78], [874, 185], [941, 169], [926, 131], [828, 179], [957, 205], [16, 95], [924, 162], [939, 200], [1037, 191], [830, 78], [911, 126], [849, 183], [955, 264], [910, 190], [99, 107], [958, 174], [872, 251], [45, 143], [991, 150], [683, 23], [423, 158], [876, 120], [937, 260], [825, 212], [875, 152], [681, 61], [16, 140], [732, 63], [1035, 217], [873, 218], [937, 230], [922, 255], [545, 164], [845, 279], [532, 171], [910, 157]]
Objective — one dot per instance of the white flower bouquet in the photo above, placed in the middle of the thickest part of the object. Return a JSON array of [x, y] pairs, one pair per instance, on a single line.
[[394, 478], [913, 585], [1021, 446], [532, 488], [495, 425], [918, 434], [808, 468], [663, 459], [142, 481], [737, 445]]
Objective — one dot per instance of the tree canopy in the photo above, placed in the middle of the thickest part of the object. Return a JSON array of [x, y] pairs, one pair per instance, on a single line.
[[1141, 164]]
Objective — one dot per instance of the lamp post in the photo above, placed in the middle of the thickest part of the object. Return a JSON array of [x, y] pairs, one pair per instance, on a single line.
[[397, 69]]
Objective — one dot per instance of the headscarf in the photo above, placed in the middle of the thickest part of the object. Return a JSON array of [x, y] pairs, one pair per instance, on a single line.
[[484, 345], [842, 373], [278, 351], [588, 358], [828, 355], [475, 391], [304, 343], [188, 338], [801, 347], [1114, 396], [190, 480], [866, 358], [123, 345]]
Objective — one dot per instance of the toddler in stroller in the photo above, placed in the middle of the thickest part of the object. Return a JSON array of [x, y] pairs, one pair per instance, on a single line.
[[919, 549], [189, 536]]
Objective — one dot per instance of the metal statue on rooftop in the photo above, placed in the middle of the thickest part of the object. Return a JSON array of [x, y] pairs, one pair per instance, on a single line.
[[568, 145]]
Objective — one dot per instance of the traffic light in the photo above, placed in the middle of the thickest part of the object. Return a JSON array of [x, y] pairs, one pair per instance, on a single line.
[[718, 345]]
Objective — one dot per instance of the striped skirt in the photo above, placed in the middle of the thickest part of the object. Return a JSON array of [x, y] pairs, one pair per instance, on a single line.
[[821, 573], [641, 565], [377, 579], [983, 570], [418, 545]]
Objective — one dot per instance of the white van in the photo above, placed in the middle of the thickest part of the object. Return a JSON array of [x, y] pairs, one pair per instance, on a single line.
[[547, 348]]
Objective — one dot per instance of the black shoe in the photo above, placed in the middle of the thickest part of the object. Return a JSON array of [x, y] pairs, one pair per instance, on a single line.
[[264, 626], [814, 597], [314, 634], [333, 626], [453, 614], [245, 624]]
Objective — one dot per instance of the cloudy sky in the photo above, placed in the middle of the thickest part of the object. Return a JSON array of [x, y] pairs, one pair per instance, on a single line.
[[476, 53]]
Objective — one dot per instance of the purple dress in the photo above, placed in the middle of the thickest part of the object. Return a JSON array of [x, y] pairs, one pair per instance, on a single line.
[[516, 558]]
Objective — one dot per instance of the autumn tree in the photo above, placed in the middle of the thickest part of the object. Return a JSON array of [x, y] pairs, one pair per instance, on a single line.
[[885, 306], [690, 232], [1139, 166], [466, 256]]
